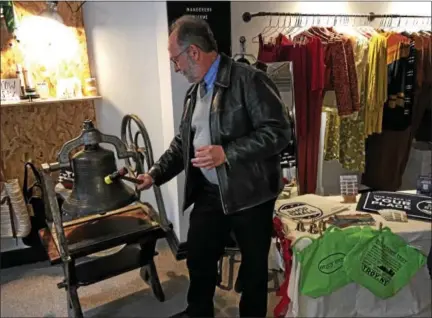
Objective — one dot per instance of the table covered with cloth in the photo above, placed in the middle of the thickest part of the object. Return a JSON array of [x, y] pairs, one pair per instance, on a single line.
[[353, 300]]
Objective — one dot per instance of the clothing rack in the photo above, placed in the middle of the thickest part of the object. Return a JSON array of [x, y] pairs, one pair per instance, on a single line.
[[247, 16]]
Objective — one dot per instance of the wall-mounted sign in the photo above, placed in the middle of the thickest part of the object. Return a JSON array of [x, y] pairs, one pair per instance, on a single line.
[[10, 89], [216, 13]]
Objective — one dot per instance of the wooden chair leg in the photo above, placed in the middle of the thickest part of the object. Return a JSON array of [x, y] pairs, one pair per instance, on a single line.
[[74, 306], [149, 275], [238, 286], [220, 272], [145, 274], [231, 271]]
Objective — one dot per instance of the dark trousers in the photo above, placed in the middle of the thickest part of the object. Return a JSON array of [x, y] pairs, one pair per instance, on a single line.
[[209, 231]]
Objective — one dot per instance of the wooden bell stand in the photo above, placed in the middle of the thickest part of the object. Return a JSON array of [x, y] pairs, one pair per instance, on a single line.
[[73, 243]]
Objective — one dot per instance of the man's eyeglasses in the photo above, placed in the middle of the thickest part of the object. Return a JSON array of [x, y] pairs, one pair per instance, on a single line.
[[174, 59]]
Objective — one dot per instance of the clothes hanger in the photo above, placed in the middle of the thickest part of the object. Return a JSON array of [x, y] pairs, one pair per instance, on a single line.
[[290, 28], [399, 28], [297, 35], [323, 33], [357, 31], [306, 32], [243, 53], [255, 39], [309, 31], [422, 25], [295, 27], [361, 28], [271, 30], [300, 30], [368, 30], [350, 28], [278, 30], [426, 31]]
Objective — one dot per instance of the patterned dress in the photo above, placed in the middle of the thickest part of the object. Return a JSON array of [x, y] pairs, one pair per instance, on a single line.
[[345, 135]]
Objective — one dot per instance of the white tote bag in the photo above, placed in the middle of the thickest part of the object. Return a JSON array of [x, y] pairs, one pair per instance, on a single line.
[[14, 217]]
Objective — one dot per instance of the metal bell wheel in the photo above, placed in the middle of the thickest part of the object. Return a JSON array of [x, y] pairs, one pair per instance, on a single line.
[[97, 216], [139, 142]]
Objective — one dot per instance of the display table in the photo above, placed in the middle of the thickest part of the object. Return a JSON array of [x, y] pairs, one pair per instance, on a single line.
[[353, 300]]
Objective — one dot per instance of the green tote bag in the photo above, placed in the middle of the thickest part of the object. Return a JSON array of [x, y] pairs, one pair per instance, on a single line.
[[322, 270], [383, 263]]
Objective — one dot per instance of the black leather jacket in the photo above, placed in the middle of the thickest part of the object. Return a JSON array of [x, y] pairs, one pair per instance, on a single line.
[[247, 118]]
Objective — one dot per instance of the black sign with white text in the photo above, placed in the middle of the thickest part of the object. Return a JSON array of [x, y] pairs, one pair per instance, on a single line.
[[216, 13], [300, 211], [416, 206]]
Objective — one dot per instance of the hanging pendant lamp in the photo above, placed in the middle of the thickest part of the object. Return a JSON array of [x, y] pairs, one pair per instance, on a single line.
[[51, 12]]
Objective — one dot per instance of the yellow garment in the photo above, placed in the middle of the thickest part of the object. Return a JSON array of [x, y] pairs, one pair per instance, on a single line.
[[397, 46], [376, 88], [345, 136]]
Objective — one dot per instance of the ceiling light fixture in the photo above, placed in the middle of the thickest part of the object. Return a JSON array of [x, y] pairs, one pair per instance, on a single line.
[[51, 12]]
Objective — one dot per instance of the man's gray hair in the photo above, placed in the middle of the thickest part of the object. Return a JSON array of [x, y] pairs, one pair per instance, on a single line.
[[193, 30]]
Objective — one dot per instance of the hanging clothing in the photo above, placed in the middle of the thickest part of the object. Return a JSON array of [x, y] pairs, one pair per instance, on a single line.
[[422, 93], [376, 89], [422, 113], [409, 95], [340, 73], [375, 82], [268, 52], [308, 69], [401, 79], [308, 73], [344, 139], [385, 160], [342, 98]]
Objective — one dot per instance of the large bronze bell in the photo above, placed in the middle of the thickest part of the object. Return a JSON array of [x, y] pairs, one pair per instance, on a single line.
[[90, 194]]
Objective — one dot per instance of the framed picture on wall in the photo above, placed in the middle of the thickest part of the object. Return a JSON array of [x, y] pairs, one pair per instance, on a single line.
[[216, 13]]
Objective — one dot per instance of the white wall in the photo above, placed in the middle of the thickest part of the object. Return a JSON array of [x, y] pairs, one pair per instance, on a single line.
[[179, 88], [127, 44], [330, 170]]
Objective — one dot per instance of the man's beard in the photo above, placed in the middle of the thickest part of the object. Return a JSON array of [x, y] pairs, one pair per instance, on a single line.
[[192, 73]]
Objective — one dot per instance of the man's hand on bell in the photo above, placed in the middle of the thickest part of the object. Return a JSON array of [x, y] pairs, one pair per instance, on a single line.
[[147, 182]]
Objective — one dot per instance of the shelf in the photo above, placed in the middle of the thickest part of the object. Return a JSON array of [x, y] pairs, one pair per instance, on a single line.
[[47, 101]]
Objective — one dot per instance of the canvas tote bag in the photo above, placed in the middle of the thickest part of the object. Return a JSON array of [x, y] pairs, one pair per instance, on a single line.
[[322, 261], [384, 263]]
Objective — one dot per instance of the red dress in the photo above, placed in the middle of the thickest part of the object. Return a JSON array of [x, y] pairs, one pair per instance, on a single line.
[[308, 72]]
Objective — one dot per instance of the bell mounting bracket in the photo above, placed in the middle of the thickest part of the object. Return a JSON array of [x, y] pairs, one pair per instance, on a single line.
[[89, 136]]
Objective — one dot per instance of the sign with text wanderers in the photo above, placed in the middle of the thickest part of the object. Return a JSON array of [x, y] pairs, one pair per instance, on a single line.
[[416, 206], [216, 13]]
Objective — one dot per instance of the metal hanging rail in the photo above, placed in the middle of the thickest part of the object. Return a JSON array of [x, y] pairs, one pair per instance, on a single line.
[[247, 16]]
